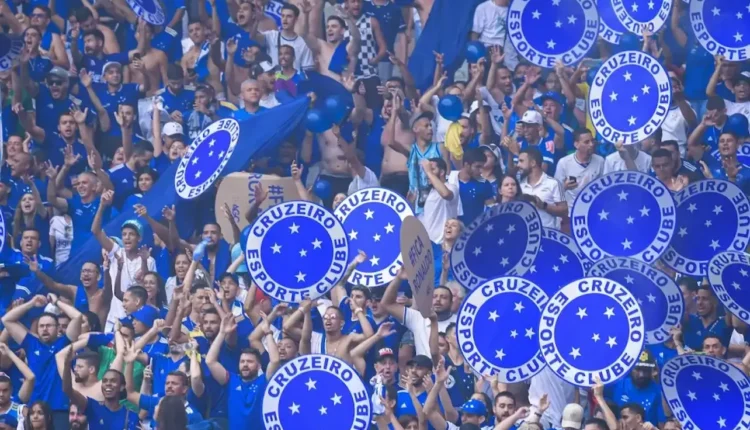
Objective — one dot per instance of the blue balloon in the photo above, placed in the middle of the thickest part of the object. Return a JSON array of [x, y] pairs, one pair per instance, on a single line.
[[450, 107], [322, 189], [475, 50], [244, 234], [738, 124], [335, 109], [316, 121]]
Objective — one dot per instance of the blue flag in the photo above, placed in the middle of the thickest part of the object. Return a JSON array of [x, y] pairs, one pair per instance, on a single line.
[[712, 216], [629, 97], [729, 276], [573, 29], [592, 327], [11, 47], [624, 214], [722, 27], [657, 294], [372, 219], [558, 263], [150, 10], [706, 393], [497, 327], [503, 241], [316, 388], [3, 232]]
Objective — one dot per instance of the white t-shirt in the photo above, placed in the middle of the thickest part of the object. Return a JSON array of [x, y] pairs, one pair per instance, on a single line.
[[130, 268], [569, 166], [303, 57], [420, 328], [369, 181], [550, 191], [676, 127], [62, 231], [438, 210], [558, 392], [615, 163], [734, 107], [269, 101], [491, 22]]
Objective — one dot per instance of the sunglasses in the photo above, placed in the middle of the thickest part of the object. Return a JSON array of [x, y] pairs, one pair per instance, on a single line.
[[55, 83]]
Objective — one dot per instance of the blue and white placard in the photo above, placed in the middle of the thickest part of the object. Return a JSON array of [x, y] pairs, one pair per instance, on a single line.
[[712, 216], [206, 158], [706, 393], [624, 214], [316, 388], [722, 27], [610, 28], [3, 232], [644, 14], [11, 47], [729, 276], [296, 250], [573, 26], [372, 218], [558, 263], [657, 294], [497, 328], [150, 10], [629, 97], [503, 241], [592, 327]]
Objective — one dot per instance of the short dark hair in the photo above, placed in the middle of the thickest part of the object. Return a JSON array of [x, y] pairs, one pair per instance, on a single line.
[[95, 325], [712, 336], [661, 152], [231, 276], [364, 290], [82, 14], [507, 394], [636, 408], [142, 147], [91, 358], [598, 422], [252, 351], [183, 377], [175, 72], [673, 143], [44, 9], [398, 79], [293, 8], [443, 287], [338, 310], [139, 292], [289, 47], [95, 32], [474, 155], [339, 19], [440, 163], [51, 315], [690, 283], [29, 228], [580, 132], [534, 154]]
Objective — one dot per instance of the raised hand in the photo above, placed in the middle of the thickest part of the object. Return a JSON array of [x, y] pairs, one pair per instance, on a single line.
[[39, 301], [496, 54], [168, 213], [140, 210], [296, 171], [107, 197], [385, 330], [260, 193], [228, 324], [85, 78], [32, 263]]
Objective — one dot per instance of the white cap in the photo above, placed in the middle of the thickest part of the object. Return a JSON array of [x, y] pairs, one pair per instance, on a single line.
[[172, 128], [531, 117], [572, 416], [475, 105], [267, 66]]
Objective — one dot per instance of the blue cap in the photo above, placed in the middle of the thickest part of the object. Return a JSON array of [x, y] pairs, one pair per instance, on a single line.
[[9, 420], [474, 407], [147, 315], [135, 225], [551, 95], [236, 253]]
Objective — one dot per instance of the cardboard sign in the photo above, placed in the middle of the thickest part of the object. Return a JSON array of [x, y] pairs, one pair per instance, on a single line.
[[419, 263], [238, 191]]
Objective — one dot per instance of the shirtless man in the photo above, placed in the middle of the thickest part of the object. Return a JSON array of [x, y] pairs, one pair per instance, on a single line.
[[52, 45], [87, 22], [197, 62], [334, 55], [84, 372], [396, 140], [153, 62]]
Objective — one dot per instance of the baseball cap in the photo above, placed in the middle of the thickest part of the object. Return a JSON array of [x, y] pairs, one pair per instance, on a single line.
[[146, 314], [134, 224], [172, 128], [572, 416], [715, 103], [109, 64], [742, 77], [551, 95], [420, 361], [59, 72], [474, 407], [531, 117], [645, 361], [262, 67], [428, 115], [385, 353]]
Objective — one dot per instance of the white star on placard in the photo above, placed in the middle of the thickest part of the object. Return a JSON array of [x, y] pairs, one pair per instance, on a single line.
[[499, 354], [738, 37], [389, 228], [558, 24], [336, 399], [519, 307], [692, 395], [651, 5], [611, 341], [504, 262], [276, 248], [551, 44], [651, 298], [716, 11], [536, 14], [532, 269], [572, 19], [716, 397], [708, 223], [724, 387], [212, 143], [311, 384], [323, 410], [210, 153], [563, 258], [500, 242], [316, 243], [613, 96], [645, 89], [575, 353], [628, 76], [513, 334], [683, 231], [303, 253], [294, 228], [494, 316], [743, 272], [376, 237], [529, 333], [369, 213], [739, 15], [736, 286], [626, 244], [697, 376], [221, 154], [511, 228], [622, 195], [717, 209], [721, 422], [634, 7], [629, 279], [294, 408], [581, 313], [714, 245], [489, 228], [555, 269], [197, 174], [374, 260], [353, 235], [631, 120], [477, 250], [644, 211], [595, 337], [692, 208], [194, 161], [609, 312], [603, 215], [300, 276]]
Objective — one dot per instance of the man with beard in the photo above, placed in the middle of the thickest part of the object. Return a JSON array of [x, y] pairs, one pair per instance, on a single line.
[[67, 144], [706, 321], [546, 190], [302, 57], [218, 254], [175, 97], [504, 407], [84, 371], [214, 394], [128, 253], [44, 345], [77, 418], [245, 388], [108, 414], [28, 251], [52, 43], [640, 388], [87, 22], [123, 176], [93, 57], [419, 369]]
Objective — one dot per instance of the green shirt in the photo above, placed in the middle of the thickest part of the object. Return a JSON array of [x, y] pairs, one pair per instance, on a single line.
[[107, 356]]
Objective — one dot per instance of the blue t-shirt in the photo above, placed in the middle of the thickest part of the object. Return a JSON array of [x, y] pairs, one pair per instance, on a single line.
[[181, 101], [693, 332], [624, 391], [547, 148], [39, 67], [390, 18], [56, 154], [699, 66], [242, 114], [246, 401], [82, 217], [149, 404], [41, 360], [126, 94], [48, 109], [162, 366], [473, 195], [662, 353], [404, 405], [102, 418], [124, 181], [742, 180], [95, 65]]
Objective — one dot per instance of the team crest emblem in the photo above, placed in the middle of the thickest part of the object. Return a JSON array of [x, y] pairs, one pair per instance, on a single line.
[[722, 27], [610, 28], [729, 276], [574, 26], [296, 250], [372, 219], [706, 393], [624, 214], [503, 241], [712, 216], [206, 158], [150, 10], [10, 48], [316, 388], [2, 233], [657, 294], [608, 327], [636, 15], [497, 329], [558, 263], [630, 97]]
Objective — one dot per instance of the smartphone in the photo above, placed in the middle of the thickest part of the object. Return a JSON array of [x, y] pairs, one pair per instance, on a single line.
[[572, 179], [137, 56]]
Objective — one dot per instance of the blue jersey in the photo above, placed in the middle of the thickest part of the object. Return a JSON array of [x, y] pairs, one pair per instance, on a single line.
[[473, 195], [181, 101], [30, 286], [48, 109], [162, 366], [693, 331], [102, 418], [82, 216], [547, 148], [662, 353], [95, 65], [126, 94], [39, 67], [124, 181], [41, 360], [624, 391], [404, 405], [56, 154], [242, 114], [246, 401], [742, 179]]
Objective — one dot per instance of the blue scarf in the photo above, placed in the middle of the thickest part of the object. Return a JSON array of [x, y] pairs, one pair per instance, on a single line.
[[339, 59], [223, 259]]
